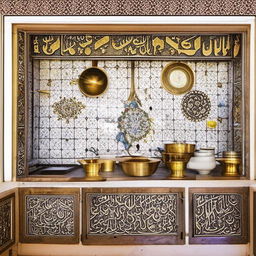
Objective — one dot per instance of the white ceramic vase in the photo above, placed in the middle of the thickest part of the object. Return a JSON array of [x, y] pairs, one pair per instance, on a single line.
[[203, 162]]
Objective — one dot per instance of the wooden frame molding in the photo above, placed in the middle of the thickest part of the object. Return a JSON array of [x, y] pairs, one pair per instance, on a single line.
[[49, 215], [219, 215], [132, 216], [20, 130]]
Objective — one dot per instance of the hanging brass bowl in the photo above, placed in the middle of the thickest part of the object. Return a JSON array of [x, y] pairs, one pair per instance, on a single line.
[[177, 78], [93, 82]]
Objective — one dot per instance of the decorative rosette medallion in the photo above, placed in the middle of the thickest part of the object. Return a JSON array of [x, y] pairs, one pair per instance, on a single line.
[[196, 106]]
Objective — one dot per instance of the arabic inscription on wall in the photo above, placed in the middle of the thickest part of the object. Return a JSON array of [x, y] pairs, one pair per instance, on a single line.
[[136, 45]]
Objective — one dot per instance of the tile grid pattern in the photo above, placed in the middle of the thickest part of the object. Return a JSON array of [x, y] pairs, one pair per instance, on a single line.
[[61, 143]]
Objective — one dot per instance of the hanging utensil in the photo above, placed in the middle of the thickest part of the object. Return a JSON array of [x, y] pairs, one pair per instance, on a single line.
[[93, 81], [134, 123]]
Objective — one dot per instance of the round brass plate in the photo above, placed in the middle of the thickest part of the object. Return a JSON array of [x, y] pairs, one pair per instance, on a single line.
[[177, 78], [93, 82]]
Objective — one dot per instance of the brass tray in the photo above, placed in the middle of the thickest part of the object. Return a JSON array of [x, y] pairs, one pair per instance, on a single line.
[[177, 78]]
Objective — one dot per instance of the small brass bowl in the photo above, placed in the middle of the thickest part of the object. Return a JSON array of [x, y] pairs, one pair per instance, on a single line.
[[139, 167], [176, 157], [108, 165], [93, 82], [179, 148], [177, 169]]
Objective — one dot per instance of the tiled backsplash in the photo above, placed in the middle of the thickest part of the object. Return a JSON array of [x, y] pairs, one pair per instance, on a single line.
[[58, 142]]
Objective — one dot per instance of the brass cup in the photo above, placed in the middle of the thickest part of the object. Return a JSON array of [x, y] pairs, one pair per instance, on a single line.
[[108, 165], [177, 169], [91, 168], [176, 157], [179, 148], [231, 166]]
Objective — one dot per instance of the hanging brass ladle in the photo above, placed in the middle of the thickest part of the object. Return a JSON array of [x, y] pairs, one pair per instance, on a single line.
[[93, 81]]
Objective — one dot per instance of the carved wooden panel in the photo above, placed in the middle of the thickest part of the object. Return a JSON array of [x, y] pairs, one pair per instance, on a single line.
[[127, 45], [21, 105], [219, 215], [49, 215], [7, 222], [133, 216]]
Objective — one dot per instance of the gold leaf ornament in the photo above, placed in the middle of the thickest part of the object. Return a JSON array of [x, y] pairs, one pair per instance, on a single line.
[[67, 108]]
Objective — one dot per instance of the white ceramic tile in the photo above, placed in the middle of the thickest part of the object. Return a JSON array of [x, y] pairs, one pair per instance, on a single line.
[[161, 106], [44, 64], [55, 73], [44, 73]]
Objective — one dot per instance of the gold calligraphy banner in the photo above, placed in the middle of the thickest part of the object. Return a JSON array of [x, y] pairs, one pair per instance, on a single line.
[[136, 45]]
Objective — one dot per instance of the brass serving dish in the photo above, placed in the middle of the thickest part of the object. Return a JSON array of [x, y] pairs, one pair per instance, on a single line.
[[179, 148], [92, 168], [177, 78], [139, 167], [93, 81]]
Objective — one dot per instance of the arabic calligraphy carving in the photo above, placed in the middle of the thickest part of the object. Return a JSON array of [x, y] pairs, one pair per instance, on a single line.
[[196, 106], [217, 214], [6, 222], [49, 215], [136, 45], [133, 214], [67, 108]]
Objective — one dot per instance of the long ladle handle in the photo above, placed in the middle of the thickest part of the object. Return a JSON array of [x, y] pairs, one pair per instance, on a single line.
[[132, 90], [94, 63]]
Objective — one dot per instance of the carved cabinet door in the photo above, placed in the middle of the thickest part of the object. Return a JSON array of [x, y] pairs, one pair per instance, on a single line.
[[133, 216], [49, 215], [219, 215]]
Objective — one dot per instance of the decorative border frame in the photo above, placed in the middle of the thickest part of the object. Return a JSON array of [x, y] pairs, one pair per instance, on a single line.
[[21, 105], [10, 197], [243, 238], [24, 238], [88, 239]]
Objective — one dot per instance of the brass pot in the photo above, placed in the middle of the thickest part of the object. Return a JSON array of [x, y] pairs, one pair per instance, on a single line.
[[139, 167], [179, 148], [93, 81]]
